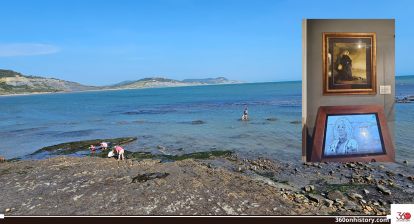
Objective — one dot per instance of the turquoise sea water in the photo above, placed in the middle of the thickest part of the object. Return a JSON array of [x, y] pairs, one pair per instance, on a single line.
[[28, 123]]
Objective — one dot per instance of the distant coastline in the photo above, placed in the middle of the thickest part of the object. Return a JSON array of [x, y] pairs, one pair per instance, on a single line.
[[14, 83]]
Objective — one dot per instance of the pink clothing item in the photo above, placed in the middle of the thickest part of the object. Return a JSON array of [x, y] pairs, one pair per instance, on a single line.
[[118, 149], [104, 144]]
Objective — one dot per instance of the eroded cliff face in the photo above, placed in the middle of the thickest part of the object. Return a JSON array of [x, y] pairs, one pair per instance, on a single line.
[[163, 82], [18, 84]]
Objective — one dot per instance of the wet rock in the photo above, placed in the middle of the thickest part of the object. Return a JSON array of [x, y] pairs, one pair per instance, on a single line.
[[7, 210], [362, 201], [356, 176], [355, 196], [382, 209], [308, 164], [180, 149], [351, 165], [198, 122], [122, 122], [332, 172], [383, 189], [366, 191], [139, 121], [390, 174], [333, 195], [160, 147], [312, 187], [271, 119], [248, 119], [352, 206], [382, 202], [405, 161], [327, 202], [315, 198], [296, 122]]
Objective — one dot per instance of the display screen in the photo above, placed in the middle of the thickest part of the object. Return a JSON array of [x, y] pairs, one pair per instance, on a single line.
[[352, 135]]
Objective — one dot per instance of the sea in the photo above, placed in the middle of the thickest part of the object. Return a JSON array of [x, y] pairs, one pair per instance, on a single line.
[[31, 122]]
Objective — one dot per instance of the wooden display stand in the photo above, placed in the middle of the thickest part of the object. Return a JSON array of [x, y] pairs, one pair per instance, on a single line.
[[388, 154]]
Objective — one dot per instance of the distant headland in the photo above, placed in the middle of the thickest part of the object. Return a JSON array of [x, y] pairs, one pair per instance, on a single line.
[[12, 82]]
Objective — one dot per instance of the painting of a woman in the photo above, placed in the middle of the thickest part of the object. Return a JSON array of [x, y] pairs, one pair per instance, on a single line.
[[344, 144], [345, 66]]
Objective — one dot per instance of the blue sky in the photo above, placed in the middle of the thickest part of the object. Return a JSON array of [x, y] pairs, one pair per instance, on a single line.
[[106, 42]]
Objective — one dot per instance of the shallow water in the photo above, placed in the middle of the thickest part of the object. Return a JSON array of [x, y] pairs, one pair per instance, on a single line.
[[28, 123]]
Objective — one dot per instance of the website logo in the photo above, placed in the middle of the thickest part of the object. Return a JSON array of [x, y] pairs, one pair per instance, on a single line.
[[403, 217], [401, 213]]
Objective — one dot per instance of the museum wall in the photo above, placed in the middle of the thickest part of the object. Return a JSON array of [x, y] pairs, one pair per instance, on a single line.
[[312, 78]]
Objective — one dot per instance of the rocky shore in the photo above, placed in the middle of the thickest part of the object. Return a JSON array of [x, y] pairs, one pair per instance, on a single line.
[[407, 99], [219, 184]]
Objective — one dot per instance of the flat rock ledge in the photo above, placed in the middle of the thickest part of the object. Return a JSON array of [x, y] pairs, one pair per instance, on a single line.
[[246, 119], [96, 186]]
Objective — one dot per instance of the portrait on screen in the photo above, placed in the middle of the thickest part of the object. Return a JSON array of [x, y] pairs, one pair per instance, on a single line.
[[352, 135]]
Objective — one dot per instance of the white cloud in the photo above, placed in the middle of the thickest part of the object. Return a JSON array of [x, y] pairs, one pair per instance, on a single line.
[[26, 49]]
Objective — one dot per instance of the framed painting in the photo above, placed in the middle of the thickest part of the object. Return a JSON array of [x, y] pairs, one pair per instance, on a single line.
[[349, 62], [352, 134]]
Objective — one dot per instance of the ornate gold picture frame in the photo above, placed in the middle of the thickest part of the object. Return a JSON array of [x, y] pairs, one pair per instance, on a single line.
[[349, 63]]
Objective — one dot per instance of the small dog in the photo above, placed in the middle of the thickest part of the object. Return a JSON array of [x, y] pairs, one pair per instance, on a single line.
[[2, 159]]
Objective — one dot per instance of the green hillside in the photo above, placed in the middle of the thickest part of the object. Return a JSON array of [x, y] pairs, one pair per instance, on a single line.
[[9, 73]]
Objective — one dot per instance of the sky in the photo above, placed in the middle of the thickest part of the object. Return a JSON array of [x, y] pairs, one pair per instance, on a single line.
[[107, 42]]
